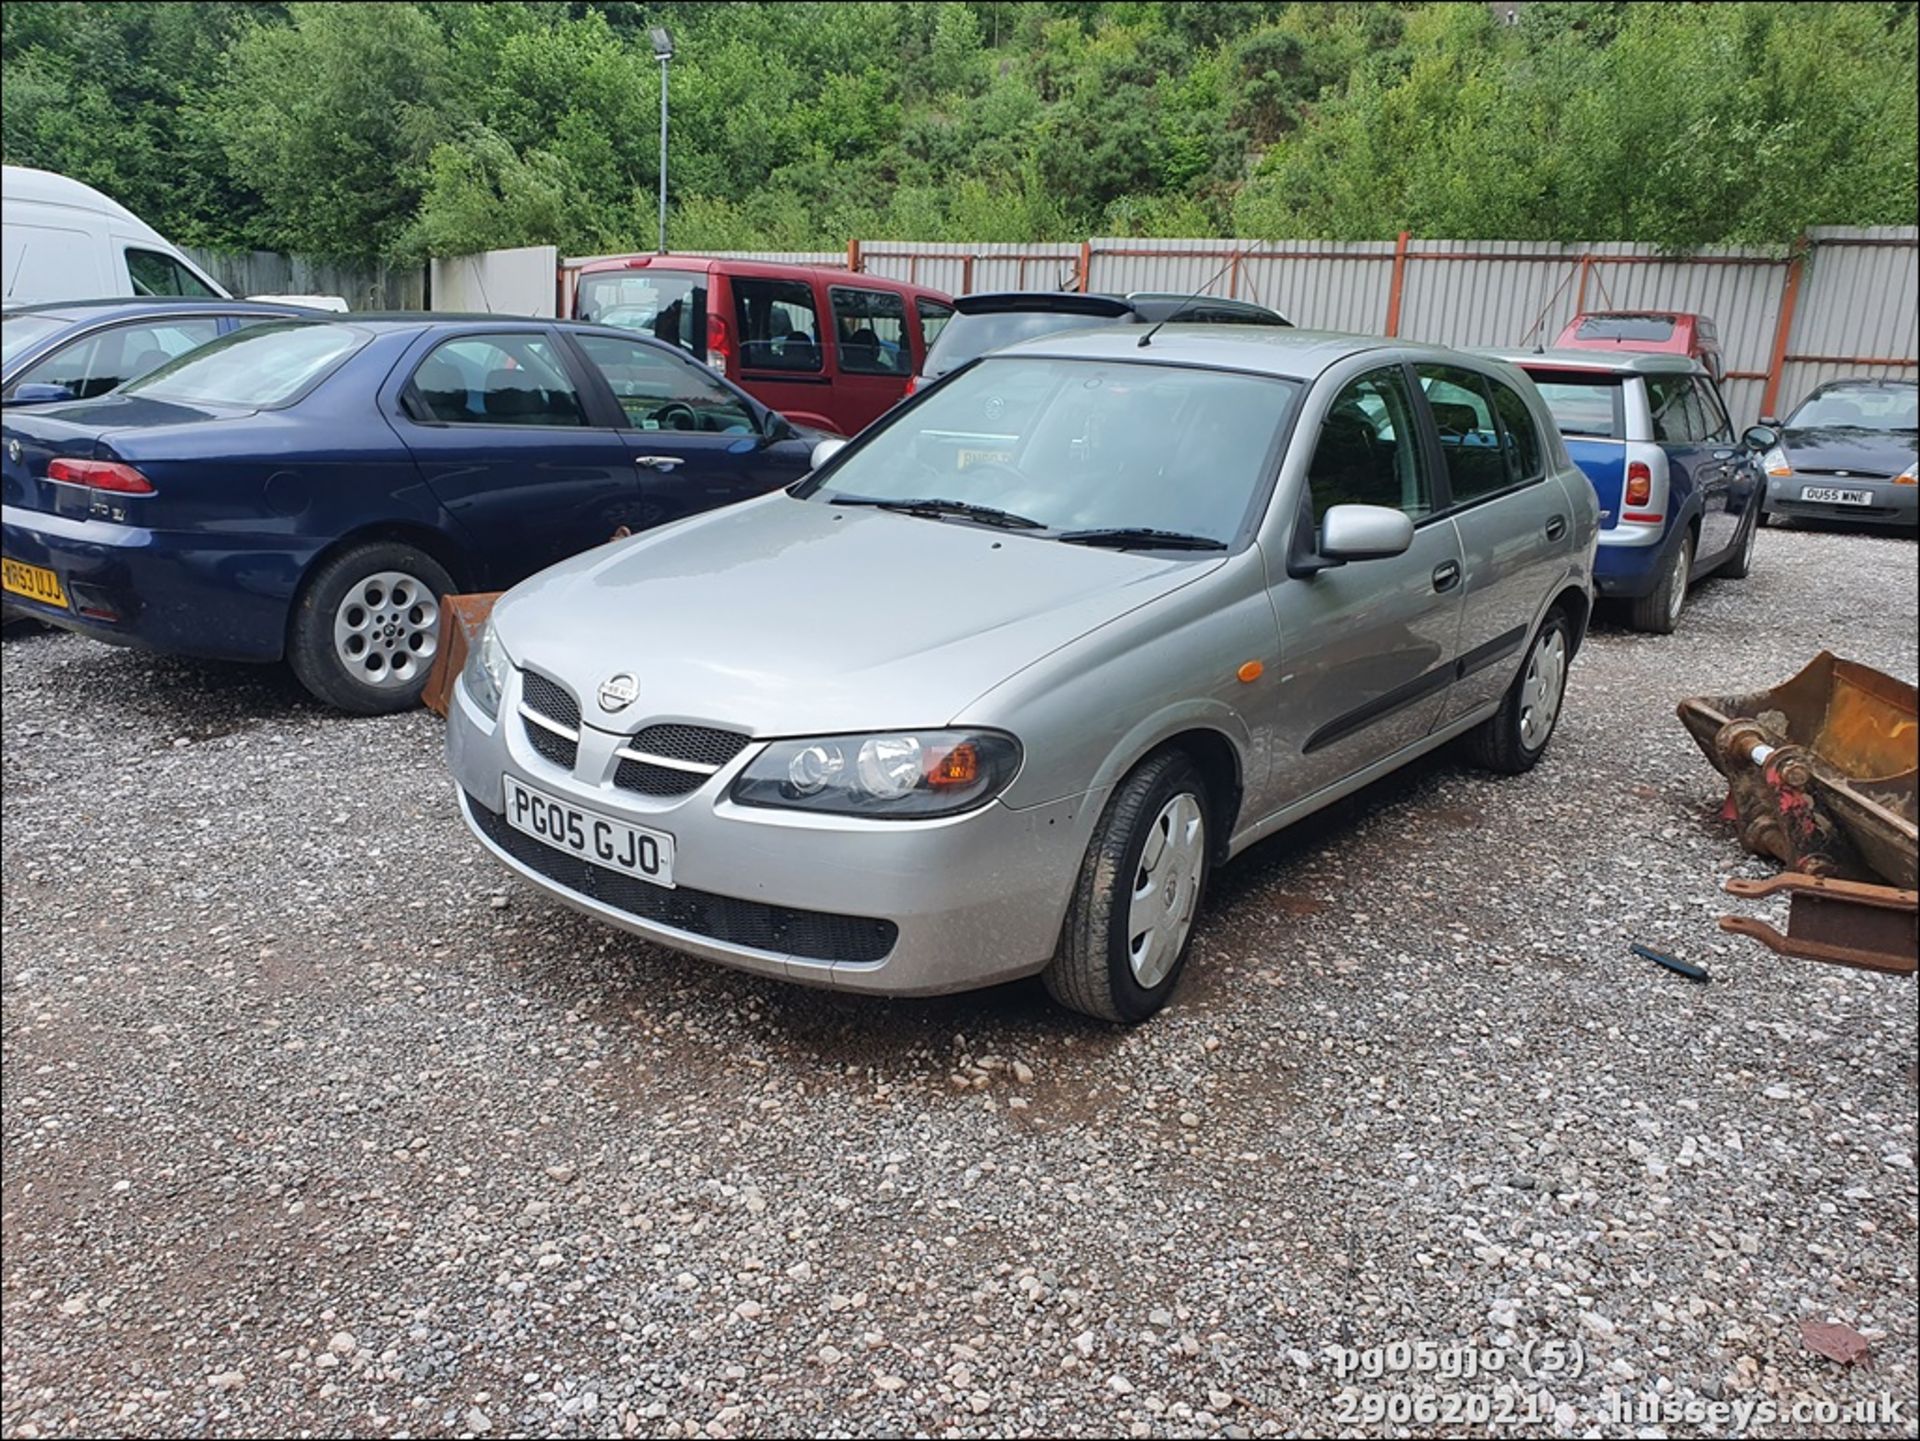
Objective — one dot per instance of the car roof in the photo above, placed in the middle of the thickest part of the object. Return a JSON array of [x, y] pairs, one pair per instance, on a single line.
[[1619, 362], [1864, 382], [158, 304], [1271, 350], [1052, 302], [750, 266]]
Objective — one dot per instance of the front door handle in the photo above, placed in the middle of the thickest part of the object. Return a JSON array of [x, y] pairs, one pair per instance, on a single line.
[[1556, 527], [1446, 575], [659, 462]]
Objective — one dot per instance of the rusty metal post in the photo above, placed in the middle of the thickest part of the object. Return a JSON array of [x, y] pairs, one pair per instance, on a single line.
[[853, 257], [966, 275], [1580, 296], [1399, 283], [1783, 332], [1086, 264]]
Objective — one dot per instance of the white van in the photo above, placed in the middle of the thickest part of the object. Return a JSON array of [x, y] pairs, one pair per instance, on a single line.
[[61, 240]]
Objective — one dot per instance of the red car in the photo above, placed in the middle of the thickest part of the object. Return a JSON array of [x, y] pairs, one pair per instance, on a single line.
[[1669, 332], [826, 348]]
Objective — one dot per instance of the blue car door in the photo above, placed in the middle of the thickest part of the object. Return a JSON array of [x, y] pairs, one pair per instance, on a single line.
[[1722, 527], [695, 442], [1696, 476], [507, 437]]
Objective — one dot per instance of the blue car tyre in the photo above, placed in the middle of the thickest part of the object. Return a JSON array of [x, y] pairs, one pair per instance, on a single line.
[[1658, 612], [366, 626]]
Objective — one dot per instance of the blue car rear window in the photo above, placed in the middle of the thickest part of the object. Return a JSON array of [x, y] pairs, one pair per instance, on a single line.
[[259, 367]]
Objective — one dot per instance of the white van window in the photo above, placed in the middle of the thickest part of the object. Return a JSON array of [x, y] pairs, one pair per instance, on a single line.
[[153, 273]]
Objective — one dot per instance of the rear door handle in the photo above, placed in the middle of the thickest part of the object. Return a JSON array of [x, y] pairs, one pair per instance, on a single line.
[[1446, 575], [659, 462], [1556, 527]]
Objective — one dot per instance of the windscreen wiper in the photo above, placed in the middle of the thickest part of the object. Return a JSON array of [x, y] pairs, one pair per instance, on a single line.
[[1139, 537], [985, 514]]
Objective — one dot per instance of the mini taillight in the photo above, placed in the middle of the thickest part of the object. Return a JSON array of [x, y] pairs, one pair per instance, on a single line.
[[1639, 482], [913, 384], [100, 475], [719, 344]]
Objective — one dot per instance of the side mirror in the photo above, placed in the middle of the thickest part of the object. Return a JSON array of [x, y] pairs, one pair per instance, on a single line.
[[1365, 532], [825, 451], [1761, 437], [38, 392]]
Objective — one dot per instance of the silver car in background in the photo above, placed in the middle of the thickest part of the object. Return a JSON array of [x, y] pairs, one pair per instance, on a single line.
[[991, 691]]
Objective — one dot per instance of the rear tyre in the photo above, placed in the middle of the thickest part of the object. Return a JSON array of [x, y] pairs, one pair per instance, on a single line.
[[1511, 741], [1659, 612], [366, 626], [1741, 566], [1130, 924]]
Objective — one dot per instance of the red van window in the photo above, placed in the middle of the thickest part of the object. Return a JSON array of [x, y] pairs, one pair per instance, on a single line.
[[871, 327], [778, 322]]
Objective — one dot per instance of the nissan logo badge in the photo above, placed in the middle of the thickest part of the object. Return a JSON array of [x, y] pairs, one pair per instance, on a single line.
[[617, 692]]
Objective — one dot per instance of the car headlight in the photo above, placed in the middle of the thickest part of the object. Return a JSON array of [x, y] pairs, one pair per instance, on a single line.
[[1774, 462], [485, 676], [907, 775]]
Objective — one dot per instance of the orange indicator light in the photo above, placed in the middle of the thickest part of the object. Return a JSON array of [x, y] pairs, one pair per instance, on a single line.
[[958, 767], [1251, 671]]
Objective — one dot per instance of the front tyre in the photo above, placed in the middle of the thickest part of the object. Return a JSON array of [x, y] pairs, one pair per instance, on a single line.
[[366, 626], [1511, 741], [1130, 925]]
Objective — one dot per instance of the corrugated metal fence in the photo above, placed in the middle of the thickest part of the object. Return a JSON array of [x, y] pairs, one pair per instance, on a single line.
[[1843, 301]]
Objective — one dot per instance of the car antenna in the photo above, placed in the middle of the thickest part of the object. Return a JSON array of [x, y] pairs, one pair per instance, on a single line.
[[1232, 259]]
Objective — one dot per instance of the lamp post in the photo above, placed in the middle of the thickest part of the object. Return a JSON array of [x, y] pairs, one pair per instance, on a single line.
[[663, 52]]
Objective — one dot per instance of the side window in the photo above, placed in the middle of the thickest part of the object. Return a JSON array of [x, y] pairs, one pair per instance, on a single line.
[[1469, 434], [779, 325], [105, 361], [871, 328], [661, 392], [497, 380], [1670, 402], [1713, 415], [155, 274], [1519, 437], [933, 319], [1368, 451]]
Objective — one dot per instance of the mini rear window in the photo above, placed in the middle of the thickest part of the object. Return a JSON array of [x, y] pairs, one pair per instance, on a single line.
[[259, 367], [1626, 327], [1585, 404]]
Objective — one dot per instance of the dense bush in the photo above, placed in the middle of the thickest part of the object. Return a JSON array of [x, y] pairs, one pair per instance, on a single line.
[[399, 129]]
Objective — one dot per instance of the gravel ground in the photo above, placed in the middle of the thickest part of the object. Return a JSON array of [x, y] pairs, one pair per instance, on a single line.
[[315, 1122]]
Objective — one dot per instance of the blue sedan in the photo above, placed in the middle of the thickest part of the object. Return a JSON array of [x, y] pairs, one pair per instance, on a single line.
[[309, 490], [84, 348]]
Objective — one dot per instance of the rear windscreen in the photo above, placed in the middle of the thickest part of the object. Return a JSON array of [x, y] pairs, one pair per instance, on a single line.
[[1626, 327], [968, 337], [261, 366], [17, 332], [1583, 403], [669, 305]]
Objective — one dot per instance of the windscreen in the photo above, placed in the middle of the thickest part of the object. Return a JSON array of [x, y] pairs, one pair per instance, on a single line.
[[19, 332], [1081, 445], [1890, 408], [1583, 404], [1626, 327], [969, 336], [669, 305], [261, 366]]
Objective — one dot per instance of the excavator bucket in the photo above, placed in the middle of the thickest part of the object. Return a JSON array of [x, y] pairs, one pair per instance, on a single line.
[[1822, 772]]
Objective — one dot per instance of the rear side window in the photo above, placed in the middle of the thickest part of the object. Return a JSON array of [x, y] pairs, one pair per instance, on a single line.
[[1675, 410], [497, 380], [1518, 437], [1368, 451], [1469, 433], [109, 359], [1713, 414], [1583, 405], [779, 324], [933, 319], [153, 273], [260, 367], [871, 328]]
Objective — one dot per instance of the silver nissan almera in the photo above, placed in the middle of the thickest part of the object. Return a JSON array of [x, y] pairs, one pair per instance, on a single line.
[[992, 690]]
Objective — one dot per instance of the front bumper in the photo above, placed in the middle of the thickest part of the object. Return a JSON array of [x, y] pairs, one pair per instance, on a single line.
[[1892, 505], [888, 907]]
